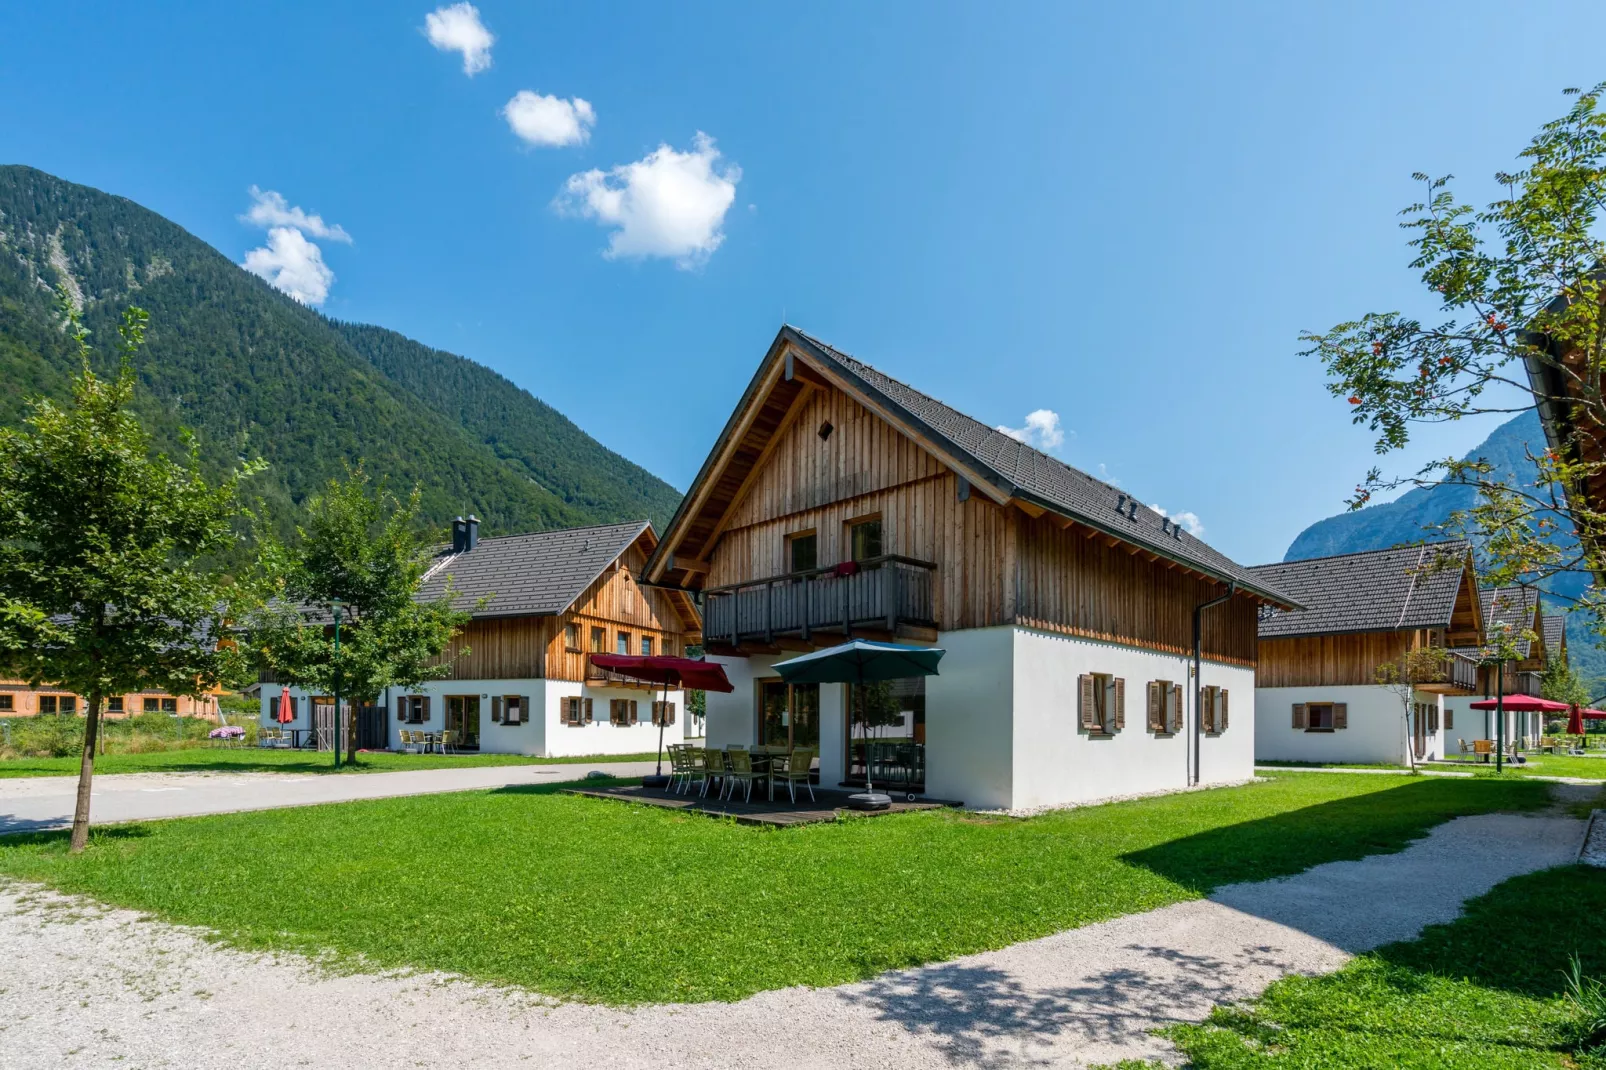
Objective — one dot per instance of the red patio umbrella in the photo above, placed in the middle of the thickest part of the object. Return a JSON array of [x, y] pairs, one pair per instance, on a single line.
[[1575, 721], [287, 707], [665, 670], [1520, 704]]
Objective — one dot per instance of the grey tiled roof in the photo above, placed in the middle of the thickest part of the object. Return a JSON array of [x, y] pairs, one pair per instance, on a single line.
[[1509, 605], [537, 574], [1021, 471], [1374, 591], [1555, 628]]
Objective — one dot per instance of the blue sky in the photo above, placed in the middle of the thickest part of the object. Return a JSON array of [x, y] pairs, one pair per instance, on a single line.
[[1122, 214]]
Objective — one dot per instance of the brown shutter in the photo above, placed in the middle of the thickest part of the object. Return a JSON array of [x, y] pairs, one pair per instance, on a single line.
[[1156, 705], [401, 708], [669, 713], [1090, 719], [1176, 709], [588, 711], [635, 712], [1299, 716], [426, 708], [1223, 726], [496, 709], [1340, 715], [1449, 720], [1120, 703]]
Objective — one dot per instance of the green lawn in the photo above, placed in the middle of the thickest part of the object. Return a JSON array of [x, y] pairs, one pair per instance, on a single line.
[[599, 900], [1482, 993], [260, 760]]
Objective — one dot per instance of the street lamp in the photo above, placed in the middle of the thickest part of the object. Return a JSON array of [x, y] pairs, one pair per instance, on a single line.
[[335, 604]]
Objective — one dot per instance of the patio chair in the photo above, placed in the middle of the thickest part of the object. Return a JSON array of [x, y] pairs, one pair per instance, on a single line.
[[739, 770], [713, 769], [679, 764], [696, 760], [448, 740], [794, 770]]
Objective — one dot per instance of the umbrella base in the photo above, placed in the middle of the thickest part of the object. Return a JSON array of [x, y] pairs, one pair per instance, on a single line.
[[869, 800], [655, 781]]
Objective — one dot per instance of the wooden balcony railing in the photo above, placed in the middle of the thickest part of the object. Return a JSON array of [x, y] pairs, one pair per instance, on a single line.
[[1462, 673], [879, 594]]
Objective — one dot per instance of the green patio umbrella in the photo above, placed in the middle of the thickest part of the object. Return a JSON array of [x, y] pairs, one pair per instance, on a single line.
[[861, 661]]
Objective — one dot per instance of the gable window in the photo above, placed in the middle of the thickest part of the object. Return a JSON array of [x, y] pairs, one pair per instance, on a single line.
[[864, 539], [598, 637], [646, 646], [802, 552], [622, 712], [623, 646], [1103, 703], [1213, 709], [1165, 707], [571, 638], [1321, 716]]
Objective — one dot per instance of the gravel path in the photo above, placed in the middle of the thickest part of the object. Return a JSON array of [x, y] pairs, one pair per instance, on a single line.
[[29, 804], [80, 985]]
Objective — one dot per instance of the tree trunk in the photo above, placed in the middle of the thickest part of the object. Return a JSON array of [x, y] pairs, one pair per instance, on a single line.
[[351, 731], [86, 774]]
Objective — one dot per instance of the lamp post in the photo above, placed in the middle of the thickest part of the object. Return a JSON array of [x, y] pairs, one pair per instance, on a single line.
[[335, 603]]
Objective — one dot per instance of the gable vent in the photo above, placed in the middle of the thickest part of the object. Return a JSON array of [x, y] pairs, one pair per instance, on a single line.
[[825, 430]]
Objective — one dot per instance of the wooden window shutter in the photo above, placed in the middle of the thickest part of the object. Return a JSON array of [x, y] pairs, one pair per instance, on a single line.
[[635, 711], [1119, 714], [524, 707], [496, 709], [1299, 715], [401, 708], [1156, 706], [1449, 720], [588, 710], [1222, 727], [1089, 711], [1207, 710], [426, 708], [669, 713], [1433, 719], [1176, 709], [1340, 715]]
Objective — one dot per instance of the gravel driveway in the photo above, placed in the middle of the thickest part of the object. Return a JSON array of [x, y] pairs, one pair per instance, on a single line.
[[29, 804], [84, 986]]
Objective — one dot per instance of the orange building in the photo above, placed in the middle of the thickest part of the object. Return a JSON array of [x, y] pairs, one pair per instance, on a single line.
[[17, 699]]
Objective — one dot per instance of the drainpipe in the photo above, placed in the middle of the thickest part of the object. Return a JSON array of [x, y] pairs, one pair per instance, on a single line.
[[1198, 683]]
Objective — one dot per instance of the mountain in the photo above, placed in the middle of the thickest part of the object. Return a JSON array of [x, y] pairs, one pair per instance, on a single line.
[[254, 374], [1411, 517]]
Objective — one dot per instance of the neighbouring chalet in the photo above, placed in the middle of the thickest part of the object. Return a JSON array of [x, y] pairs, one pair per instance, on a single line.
[[1520, 611], [1317, 698], [520, 680], [839, 501]]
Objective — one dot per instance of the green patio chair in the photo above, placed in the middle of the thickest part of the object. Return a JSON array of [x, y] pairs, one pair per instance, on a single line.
[[738, 770], [696, 762], [793, 770], [713, 769], [679, 765]]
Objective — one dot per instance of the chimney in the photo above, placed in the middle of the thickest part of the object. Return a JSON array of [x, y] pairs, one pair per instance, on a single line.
[[471, 537], [459, 535]]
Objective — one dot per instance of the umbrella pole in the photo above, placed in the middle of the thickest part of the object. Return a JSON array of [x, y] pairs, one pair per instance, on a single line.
[[664, 708]]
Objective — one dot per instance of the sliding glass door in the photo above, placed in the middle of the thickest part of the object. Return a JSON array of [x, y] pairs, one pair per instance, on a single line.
[[887, 733], [463, 720]]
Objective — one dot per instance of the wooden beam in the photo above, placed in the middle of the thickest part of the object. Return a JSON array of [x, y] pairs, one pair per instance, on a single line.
[[787, 420], [688, 564], [1033, 511]]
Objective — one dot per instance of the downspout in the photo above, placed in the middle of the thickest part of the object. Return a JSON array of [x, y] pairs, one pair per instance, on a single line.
[[1198, 683]]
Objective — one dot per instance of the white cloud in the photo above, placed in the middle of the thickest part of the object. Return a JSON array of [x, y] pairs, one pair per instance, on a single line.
[[292, 264], [670, 204], [542, 120], [1189, 522], [1042, 430], [272, 210], [457, 28]]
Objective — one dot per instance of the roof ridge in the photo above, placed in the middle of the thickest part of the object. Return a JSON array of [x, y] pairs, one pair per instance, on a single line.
[[560, 531], [1362, 553]]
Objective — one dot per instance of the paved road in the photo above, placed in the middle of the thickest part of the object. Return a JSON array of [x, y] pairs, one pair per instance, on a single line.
[[30, 804]]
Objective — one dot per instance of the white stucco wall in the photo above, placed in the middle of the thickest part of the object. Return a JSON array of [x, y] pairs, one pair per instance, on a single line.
[[543, 733], [969, 714], [1376, 732], [1056, 762]]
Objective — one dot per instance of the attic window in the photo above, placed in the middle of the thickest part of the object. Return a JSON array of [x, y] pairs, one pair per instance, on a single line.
[[825, 430]]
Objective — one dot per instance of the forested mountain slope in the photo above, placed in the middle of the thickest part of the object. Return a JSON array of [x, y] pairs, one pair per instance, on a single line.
[[256, 375]]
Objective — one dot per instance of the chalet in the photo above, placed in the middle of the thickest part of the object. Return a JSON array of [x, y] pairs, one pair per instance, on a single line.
[[1520, 611], [839, 501], [520, 679], [1317, 696]]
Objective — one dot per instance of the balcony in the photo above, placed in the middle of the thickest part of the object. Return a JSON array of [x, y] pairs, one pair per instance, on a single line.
[[1460, 677], [880, 595]]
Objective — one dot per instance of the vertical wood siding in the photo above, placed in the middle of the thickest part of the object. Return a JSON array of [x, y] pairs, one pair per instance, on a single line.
[[1322, 660], [995, 564]]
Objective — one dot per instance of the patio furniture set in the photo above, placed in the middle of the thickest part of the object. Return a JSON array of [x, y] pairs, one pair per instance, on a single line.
[[738, 767], [429, 742]]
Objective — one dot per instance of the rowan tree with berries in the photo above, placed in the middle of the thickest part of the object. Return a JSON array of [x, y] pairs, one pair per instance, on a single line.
[[1520, 284]]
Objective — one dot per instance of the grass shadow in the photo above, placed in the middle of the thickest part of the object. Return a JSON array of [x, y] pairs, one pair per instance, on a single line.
[[1346, 829], [46, 836]]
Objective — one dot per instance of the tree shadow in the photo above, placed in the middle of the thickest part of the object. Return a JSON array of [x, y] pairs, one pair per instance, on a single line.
[[593, 779], [1340, 830], [19, 832], [983, 1016]]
